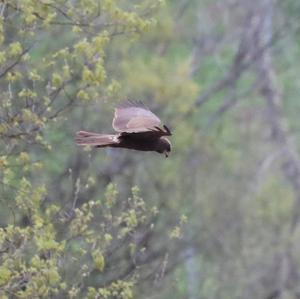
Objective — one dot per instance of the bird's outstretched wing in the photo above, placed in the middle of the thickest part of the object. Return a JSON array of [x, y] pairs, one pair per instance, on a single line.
[[135, 117]]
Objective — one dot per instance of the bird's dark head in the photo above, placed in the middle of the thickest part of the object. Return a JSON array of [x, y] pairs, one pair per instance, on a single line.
[[164, 146]]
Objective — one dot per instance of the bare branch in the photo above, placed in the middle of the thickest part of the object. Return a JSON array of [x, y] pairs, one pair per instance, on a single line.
[[11, 66]]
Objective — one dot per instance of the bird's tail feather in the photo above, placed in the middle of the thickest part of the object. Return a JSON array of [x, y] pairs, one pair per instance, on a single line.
[[94, 139]]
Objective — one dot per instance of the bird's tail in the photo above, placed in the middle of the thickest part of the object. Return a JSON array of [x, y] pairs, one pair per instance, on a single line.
[[94, 139]]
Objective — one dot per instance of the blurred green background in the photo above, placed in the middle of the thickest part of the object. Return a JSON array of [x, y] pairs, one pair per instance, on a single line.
[[219, 218]]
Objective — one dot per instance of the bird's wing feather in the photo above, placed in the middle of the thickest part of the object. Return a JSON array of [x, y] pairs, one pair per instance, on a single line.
[[133, 118]]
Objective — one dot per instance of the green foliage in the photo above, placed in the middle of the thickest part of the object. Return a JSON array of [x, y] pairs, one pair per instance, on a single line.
[[34, 258], [53, 57]]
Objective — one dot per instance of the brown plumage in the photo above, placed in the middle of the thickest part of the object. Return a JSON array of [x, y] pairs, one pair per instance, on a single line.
[[138, 129]]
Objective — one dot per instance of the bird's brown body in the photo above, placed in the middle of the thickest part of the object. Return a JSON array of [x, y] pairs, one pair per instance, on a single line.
[[138, 129], [138, 142]]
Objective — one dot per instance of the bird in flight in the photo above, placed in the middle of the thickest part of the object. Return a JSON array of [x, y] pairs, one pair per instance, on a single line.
[[137, 128]]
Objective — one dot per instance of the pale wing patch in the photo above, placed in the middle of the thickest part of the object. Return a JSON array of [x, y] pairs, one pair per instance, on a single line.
[[141, 124], [134, 119]]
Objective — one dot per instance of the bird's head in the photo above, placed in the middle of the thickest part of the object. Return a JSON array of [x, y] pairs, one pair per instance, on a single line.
[[164, 146]]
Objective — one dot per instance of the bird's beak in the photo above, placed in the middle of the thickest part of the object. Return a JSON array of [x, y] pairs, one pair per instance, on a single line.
[[166, 154]]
